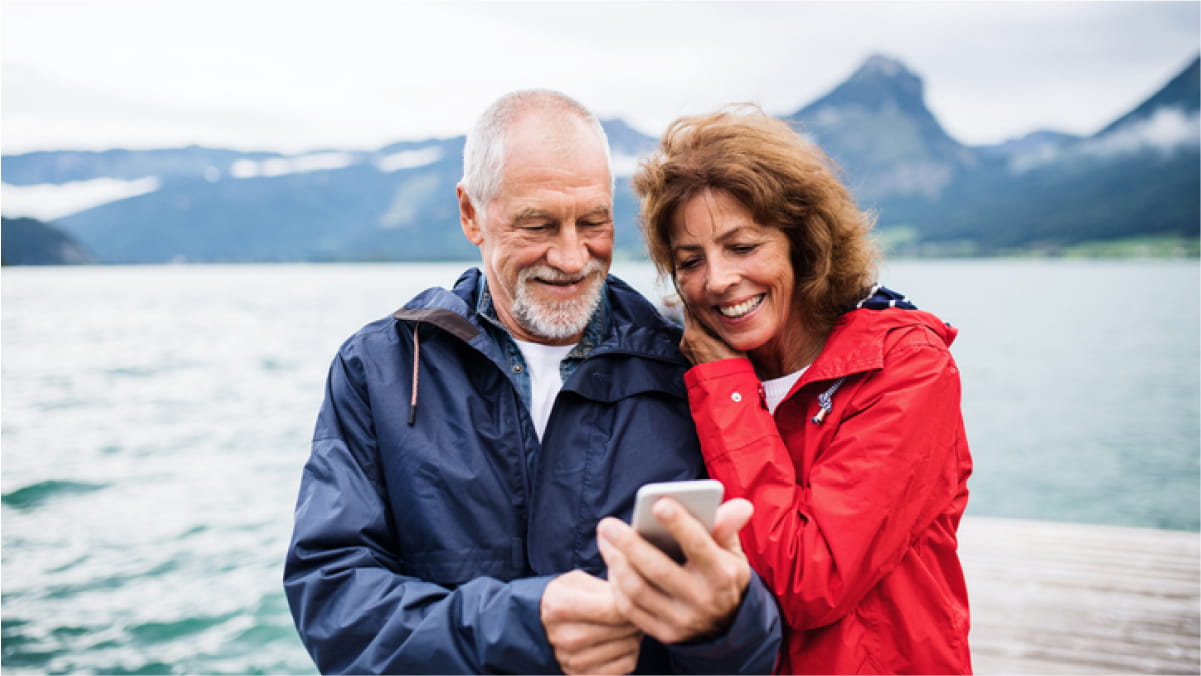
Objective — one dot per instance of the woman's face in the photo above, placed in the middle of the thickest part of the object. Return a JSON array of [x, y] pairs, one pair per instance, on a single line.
[[736, 277]]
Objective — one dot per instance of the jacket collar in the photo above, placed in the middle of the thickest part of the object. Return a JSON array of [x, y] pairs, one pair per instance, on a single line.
[[594, 332]]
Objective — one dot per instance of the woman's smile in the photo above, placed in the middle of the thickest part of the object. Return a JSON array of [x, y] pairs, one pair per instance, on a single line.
[[741, 309]]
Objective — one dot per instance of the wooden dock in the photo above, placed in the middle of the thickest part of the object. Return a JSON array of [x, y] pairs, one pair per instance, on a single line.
[[1057, 598]]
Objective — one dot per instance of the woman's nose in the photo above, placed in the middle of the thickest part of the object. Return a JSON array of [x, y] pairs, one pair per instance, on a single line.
[[720, 278]]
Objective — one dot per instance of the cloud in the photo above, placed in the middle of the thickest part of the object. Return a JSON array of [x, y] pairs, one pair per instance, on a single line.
[[295, 77], [46, 201], [1165, 131]]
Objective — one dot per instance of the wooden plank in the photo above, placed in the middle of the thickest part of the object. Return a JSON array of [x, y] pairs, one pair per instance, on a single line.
[[1057, 598]]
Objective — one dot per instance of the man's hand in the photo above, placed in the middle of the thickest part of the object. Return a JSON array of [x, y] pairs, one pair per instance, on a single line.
[[584, 627], [700, 344], [671, 602]]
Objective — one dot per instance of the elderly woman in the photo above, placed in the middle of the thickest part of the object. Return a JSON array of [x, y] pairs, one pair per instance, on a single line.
[[829, 402]]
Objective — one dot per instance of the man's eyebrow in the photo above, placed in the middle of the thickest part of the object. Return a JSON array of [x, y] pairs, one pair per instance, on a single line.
[[532, 214], [601, 210], [536, 214]]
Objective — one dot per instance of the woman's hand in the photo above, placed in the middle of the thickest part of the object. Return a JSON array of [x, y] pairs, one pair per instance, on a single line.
[[700, 344]]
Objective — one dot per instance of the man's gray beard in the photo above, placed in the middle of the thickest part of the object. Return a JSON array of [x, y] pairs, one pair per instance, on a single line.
[[557, 321]]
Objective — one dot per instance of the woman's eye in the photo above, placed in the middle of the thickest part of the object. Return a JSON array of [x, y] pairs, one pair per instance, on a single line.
[[744, 248], [687, 263]]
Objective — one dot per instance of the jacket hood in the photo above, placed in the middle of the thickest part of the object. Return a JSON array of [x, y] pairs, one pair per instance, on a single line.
[[857, 341]]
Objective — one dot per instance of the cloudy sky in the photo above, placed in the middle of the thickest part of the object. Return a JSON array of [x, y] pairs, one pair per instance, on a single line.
[[295, 75]]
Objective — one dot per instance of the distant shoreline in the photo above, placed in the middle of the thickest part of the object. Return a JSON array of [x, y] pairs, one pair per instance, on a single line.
[[1142, 249]]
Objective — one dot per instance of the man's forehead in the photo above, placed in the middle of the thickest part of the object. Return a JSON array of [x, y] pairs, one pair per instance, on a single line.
[[552, 133]]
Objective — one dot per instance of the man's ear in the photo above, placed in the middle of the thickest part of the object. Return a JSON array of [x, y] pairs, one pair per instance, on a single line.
[[468, 217]]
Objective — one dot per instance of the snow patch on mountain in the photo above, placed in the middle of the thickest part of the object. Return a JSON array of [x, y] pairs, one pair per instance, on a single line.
[[408, 159], [279, 166]]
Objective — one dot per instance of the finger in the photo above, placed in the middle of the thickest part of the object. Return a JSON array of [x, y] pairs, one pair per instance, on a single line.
[[694, 539], [577, 637], [650, 578], [578, 596], [637, 598], [687, 603], [624, 664], [732, 515], [611, 657], [642, 556], [703, 341], [700, 326], [646, 607]]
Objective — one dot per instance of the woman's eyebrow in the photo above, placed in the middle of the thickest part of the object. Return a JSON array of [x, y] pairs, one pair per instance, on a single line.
[[685, 247], [733, 232]]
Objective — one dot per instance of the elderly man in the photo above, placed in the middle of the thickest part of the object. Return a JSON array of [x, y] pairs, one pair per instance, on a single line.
[[470, 443]]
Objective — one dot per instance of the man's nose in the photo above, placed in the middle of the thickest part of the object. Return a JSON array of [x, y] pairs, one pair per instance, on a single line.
[[569, 252]]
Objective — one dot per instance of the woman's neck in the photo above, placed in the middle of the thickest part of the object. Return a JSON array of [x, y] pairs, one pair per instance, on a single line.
[[787, 354]]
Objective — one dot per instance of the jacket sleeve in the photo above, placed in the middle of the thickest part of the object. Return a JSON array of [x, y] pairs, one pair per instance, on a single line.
[[355, 611], [823, 541]]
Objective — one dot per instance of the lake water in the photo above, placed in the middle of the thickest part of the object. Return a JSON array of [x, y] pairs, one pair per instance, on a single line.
[[155, 421]]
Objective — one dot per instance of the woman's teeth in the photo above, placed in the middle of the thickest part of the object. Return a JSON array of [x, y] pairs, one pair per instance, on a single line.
[[735, 311]]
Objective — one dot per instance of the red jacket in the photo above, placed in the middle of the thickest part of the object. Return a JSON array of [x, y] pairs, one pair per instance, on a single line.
[[856, 515]]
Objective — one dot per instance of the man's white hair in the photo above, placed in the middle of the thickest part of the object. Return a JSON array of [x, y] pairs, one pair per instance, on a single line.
[[484, 152]]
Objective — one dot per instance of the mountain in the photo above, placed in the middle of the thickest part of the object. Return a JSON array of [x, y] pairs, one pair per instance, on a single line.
[[26, 241], [878, 128], [65, 166], [1182, 92], [1039, 143], [206, 205], [1138, 176]]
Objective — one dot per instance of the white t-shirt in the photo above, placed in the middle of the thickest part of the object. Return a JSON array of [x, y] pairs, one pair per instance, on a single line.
[[774, 390], [542, 365]]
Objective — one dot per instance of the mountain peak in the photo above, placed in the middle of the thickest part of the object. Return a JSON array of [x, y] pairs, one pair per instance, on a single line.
[[880, 83], [876, 124], [1182, 92], [883, 78], [880, 65]]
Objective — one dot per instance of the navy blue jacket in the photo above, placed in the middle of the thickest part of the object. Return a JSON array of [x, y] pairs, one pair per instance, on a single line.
[[425, 547]]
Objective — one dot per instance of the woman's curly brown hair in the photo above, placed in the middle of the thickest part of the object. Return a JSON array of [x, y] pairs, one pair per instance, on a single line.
[[785, 181]]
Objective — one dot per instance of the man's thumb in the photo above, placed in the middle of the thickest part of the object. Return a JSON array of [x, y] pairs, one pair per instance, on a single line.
[[732, 515]]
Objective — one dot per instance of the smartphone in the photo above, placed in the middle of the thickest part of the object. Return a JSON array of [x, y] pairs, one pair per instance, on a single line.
[[700, 497]]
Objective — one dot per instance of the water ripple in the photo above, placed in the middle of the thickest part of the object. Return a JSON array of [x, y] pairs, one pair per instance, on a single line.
[[40, 493]]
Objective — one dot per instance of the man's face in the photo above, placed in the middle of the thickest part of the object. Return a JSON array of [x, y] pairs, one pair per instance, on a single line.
[[547, 237]]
